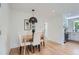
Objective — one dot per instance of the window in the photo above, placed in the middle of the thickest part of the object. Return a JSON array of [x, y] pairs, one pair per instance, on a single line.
[[76, 25]]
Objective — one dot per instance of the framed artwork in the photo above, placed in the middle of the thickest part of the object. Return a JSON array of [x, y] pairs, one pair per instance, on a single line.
[[26, 24]]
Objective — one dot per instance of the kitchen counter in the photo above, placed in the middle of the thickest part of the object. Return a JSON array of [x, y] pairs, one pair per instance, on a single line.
[[73, 32], [73, 36]]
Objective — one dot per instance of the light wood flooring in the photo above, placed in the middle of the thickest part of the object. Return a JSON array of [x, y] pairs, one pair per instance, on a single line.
[[51, 48]]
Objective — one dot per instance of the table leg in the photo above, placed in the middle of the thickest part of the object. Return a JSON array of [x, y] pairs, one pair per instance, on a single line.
[[24, 50]]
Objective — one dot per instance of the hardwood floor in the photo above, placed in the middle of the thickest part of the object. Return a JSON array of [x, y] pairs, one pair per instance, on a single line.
[[51, 48]]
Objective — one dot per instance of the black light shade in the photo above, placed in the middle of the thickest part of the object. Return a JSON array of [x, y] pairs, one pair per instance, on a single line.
[[33, 20]]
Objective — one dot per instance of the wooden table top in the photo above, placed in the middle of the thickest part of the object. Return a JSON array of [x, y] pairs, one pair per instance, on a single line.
[[27, 38]]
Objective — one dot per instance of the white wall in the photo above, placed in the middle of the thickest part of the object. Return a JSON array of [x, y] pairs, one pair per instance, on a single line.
[[4, 23], [17, 25], [54, 32], [55, 29]]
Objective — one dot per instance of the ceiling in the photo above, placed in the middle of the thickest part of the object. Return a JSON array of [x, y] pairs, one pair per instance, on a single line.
[[65, 9]]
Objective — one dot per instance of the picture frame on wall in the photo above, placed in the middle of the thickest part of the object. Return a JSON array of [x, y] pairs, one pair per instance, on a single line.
[[26, 24]]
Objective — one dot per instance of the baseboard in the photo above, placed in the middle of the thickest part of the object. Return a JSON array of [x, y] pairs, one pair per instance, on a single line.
[[53, 42]]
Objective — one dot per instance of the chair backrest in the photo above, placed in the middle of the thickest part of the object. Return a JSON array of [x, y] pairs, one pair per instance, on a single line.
[[20, 39], [36, 39], [29, 32]]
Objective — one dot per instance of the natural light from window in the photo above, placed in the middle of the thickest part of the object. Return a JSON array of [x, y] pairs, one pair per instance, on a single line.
[[76, 25]]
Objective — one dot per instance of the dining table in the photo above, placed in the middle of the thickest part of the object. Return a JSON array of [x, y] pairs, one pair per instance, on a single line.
[[28, 38]]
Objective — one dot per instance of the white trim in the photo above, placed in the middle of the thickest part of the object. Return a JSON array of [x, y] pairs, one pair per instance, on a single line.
[[72, 17]]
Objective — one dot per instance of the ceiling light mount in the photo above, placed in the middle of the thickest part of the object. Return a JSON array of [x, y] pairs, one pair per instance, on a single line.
[[33, 19]]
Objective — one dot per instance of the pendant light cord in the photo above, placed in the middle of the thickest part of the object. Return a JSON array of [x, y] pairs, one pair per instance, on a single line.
[[33, 12]]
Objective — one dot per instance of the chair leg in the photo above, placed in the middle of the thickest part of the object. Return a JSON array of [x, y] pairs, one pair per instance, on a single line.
[[39, 47], [43, 43], [33, 49], [24, 50], [20, 49], [27, 48]]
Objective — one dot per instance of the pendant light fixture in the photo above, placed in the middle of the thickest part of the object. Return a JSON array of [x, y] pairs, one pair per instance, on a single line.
[[33, 19]]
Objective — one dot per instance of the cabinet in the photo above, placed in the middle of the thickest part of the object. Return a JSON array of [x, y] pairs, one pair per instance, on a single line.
[[74, 36]]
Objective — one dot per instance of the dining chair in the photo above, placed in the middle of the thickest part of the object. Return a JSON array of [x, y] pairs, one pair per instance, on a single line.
[[24, 44], [42, 40], [36, 41]]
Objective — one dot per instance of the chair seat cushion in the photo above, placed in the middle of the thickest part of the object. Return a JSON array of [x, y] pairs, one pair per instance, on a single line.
[[27, 43], [41, 40], [35, 43]]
